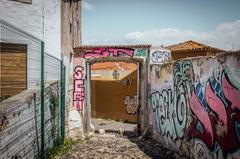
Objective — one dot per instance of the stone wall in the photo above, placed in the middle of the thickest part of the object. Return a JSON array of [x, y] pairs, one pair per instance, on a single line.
[[20, 127], [195, 105]]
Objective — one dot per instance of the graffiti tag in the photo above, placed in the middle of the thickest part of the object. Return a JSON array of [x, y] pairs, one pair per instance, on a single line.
[[217, 113], [141, 53], [131, 104], [105, 52], [79, 90], [171, 108], [159, 56]]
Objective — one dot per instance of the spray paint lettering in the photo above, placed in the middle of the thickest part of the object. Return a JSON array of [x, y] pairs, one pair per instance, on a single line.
[[159, 56], [79, 90], [105, 52], [215, 115], [170, 114], [131, 104], [171, 108], [141, 53]]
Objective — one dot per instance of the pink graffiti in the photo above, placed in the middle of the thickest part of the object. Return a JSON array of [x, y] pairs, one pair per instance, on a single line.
[[219, 123], [203, 117], [220, 116], [231, 93], [105, 52], [79, 90]]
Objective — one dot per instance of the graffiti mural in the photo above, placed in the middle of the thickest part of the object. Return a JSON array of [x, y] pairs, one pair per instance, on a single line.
[[215, 114], [196, 106], [159, 56], [105, 52], [79, 89], [97, 52], [170, 106], [141, 53], [131, 104]]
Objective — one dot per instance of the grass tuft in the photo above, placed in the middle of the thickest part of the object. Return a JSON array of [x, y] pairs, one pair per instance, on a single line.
[[58, 151]]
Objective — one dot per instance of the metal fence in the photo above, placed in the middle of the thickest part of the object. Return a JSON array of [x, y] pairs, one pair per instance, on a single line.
[[52, 67], [12, 35], [25, 66]]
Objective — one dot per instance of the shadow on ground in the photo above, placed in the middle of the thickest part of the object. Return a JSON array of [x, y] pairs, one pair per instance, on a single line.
[[127, 143], [150, 147]]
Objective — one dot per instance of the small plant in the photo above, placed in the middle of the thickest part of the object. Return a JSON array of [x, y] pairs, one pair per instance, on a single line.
[[54, 104], [2, 98], [60, 150]]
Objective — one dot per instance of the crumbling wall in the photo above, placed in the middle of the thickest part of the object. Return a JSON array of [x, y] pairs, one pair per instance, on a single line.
[[20, 127], [196, 105]]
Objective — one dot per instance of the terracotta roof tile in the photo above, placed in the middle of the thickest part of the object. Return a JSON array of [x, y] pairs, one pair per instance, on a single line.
[[191, 46]]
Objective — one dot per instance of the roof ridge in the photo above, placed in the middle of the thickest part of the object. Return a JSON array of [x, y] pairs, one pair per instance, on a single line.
[[188, 45]]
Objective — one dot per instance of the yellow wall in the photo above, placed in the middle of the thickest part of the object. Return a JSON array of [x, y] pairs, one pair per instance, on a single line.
[[107, 98]]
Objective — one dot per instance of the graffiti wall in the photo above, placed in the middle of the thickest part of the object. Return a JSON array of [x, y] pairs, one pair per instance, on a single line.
[[92, 53], [159, 55], [80, 74], [195, 106]]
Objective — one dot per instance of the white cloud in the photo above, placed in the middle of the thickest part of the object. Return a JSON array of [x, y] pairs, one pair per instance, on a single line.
[[87, 5], [224, 36]]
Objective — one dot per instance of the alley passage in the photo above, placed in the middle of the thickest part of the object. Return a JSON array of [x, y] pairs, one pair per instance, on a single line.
[[113, 144]]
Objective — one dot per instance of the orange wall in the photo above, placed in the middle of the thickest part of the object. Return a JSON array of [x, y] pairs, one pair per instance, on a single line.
[[107, 99]]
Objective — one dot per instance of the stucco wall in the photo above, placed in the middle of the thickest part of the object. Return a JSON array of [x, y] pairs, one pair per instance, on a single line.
[[81, 89], [20, 127], [196, 105], [115, 99], [42, 19]]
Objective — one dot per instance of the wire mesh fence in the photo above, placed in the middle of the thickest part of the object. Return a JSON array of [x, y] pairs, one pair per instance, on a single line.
[[20, 60], [25, 66], [52, 67]]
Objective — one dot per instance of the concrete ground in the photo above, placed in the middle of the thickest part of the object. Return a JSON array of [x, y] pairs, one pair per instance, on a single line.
[[118, 140]]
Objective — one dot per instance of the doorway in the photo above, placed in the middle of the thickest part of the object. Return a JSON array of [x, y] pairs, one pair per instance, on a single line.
[[128, 103], [114, 91]]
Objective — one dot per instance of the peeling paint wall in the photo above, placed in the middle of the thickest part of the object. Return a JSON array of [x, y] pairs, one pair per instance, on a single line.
[[195, 106], [70, 38], [20, 127]]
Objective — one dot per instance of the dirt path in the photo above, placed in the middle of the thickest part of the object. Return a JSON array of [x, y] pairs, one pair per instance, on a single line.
[[112, 144]]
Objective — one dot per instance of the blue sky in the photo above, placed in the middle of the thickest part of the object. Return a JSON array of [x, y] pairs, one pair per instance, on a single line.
[[157, 22]]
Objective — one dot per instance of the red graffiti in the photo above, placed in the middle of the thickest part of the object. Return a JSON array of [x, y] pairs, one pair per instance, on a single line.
[[219, 124], [105, 52], [79, 90]]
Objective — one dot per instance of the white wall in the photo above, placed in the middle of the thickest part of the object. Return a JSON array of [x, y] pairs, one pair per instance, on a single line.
[[30, 18]]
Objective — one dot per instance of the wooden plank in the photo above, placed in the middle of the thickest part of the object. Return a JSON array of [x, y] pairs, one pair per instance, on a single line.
[[13, 68], [13, 71]]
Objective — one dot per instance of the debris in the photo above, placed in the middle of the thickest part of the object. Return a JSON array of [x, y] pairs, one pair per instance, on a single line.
[[109, 144], [121, 131], [101, 131]]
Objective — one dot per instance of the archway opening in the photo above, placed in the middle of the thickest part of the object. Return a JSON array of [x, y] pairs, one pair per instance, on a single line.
[[114, 94]]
